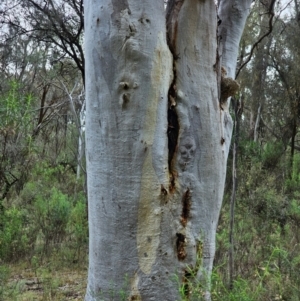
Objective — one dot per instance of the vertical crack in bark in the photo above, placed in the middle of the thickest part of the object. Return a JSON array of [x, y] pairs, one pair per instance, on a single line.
[[217, 65], [186, 207], [173, 131], [173, 9], [172, 13]]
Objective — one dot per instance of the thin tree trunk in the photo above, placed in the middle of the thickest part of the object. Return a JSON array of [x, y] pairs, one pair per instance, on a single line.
[[294, 133], [231, 223], [255, 139], [237, 114], [80, 141]]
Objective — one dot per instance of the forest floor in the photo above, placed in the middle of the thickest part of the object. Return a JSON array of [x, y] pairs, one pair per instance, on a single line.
[[22, 282]]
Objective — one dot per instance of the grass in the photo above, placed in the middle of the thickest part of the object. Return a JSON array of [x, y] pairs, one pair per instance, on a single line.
[[47, 281]]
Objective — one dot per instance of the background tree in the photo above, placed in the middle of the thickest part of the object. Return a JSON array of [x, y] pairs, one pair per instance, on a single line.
[[54, 23], [38, 131], [41, 52]]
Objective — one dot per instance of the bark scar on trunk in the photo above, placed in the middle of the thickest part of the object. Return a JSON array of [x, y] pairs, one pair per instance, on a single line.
[[173, 132], [186, 207], [180, 246], [118, 7], [173, 9]]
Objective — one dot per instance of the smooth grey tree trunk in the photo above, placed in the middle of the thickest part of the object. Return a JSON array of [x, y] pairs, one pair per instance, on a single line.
[[157, 144]]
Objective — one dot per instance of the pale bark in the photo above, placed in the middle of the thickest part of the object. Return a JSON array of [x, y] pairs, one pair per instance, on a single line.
[[202, 144], [79, 122], [255, 139], [80, 151], [129, 71], [153, 212], [233, 15]]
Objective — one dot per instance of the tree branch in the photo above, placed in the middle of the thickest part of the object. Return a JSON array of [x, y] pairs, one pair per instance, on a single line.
[[254, 46]]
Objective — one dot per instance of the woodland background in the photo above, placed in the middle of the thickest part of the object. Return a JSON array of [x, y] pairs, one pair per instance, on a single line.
[[43, 214]]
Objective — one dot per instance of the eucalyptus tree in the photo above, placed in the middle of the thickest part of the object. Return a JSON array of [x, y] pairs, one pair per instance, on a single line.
[[158, 133]]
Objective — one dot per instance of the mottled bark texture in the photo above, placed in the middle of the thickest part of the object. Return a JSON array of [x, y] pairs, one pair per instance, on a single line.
[[157, 144]]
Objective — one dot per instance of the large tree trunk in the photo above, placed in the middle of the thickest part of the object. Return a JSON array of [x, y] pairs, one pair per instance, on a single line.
[[157, 145]]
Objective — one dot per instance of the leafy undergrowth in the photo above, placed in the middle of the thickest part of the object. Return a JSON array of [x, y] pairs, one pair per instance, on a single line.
[[49, 281]]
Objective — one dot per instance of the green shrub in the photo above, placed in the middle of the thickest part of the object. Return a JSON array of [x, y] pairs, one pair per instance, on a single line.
[[51, 215], [272, 153], [13, 236], [77, 225], [4, 274]]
